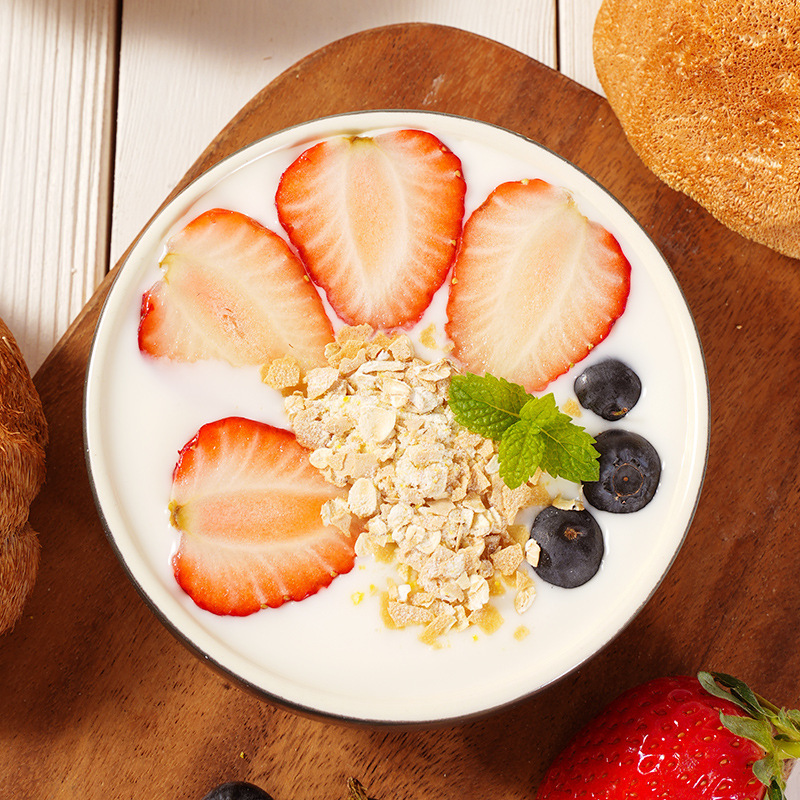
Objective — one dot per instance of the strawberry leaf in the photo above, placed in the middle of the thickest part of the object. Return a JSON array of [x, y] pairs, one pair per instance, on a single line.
[[768, 771], [742, 695], [775, 792], [786, 722], [757, 730], [787, 749], [774, 729], [729, 688]]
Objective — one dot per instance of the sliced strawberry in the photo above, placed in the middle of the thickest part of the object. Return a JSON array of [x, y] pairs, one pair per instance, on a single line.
[[536, 285], [247, 503], [233, 290], [376, 221]]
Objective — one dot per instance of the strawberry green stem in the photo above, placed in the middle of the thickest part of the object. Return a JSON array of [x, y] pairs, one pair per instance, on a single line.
[[775, 730]]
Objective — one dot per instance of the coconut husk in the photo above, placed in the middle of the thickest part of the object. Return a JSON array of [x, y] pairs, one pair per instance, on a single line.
[[19, 564], [708, 94], [23, 438]]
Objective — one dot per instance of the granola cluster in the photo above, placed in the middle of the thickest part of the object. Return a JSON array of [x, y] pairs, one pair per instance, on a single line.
[[427, 491]]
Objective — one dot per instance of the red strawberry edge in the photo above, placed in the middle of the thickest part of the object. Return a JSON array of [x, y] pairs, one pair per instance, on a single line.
[[772, 733]]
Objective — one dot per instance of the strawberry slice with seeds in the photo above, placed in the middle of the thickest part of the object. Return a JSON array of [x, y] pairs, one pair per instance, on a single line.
[[247, 502], [376, 220], [536, 285], [233, 290]]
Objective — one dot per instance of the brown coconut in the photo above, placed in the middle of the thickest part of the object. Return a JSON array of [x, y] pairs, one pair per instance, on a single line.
[[23, 438], [19, 563], [708, 94]]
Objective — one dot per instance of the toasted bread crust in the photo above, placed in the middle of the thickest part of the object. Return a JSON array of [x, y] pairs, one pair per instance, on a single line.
[[708, 94]]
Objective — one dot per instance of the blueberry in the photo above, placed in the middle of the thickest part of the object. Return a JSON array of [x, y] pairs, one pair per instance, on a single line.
[[237, 790], [629, 472], [571, 545], [609, 388]]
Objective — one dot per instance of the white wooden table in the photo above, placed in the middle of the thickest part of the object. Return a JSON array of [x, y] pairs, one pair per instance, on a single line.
[[106, 103]]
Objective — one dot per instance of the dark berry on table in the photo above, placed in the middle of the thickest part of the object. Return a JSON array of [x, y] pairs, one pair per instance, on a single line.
[[609, 388], [630, 469], [571, 545], [237, 790]]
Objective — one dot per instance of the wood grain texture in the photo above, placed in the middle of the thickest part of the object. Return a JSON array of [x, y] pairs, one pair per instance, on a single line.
[[98, 699], [56, 79]]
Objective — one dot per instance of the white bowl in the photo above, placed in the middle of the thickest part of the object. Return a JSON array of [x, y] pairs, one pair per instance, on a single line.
[[327, 655]]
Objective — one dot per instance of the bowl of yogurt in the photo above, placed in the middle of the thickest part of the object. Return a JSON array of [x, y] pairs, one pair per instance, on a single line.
[[348, 650]]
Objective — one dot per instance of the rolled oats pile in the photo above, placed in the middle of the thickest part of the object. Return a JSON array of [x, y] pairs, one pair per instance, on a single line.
[[427, 491]]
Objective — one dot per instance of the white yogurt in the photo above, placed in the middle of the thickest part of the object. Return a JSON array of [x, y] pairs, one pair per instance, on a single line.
[[327, 653]]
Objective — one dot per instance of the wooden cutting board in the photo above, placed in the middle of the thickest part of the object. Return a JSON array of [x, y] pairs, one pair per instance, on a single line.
[[98, 700]]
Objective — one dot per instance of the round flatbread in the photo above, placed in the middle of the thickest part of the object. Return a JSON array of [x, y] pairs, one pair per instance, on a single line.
[[708, 94]]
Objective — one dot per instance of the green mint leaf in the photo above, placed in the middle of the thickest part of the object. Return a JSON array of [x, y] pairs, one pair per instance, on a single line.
[[492, 407], [520, 453], [541, 411], [486, 405], [569, 451]]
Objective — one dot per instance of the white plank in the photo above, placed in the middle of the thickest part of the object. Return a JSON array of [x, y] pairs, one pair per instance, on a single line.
[[793, 783], [56, 75], [575, 25], [187, 68]]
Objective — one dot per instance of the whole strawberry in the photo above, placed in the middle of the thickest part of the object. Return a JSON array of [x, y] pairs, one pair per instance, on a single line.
[[684, 738]]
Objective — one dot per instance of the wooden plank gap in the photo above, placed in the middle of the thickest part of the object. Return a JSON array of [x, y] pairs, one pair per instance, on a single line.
[[58, 59], [576, 25]]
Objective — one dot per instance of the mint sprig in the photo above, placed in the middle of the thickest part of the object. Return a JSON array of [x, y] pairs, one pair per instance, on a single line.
[[533, 433], [520, 453], [486, 405]]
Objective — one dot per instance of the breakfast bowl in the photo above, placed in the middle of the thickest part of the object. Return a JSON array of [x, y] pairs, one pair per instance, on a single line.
[[168, 403]]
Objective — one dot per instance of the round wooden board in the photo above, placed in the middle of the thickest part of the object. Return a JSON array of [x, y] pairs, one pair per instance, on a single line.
[[98, 700]]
